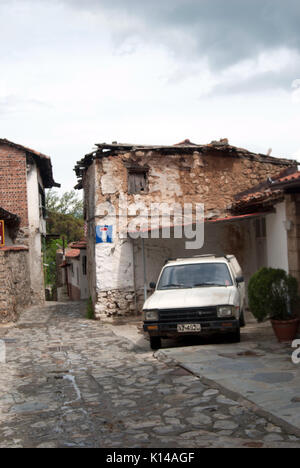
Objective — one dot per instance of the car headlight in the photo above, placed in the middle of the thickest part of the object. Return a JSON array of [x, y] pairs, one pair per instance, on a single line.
[[225, 311], [150, 315]]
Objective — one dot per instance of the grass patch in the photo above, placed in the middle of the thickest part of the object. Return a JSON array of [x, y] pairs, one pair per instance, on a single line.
[[90, 314]]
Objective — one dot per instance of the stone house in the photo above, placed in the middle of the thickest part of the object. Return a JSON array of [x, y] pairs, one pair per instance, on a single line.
[[24, 176], [137, 177]]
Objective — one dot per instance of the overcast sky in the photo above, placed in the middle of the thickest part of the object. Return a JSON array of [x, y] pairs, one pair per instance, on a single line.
[[79, 72]]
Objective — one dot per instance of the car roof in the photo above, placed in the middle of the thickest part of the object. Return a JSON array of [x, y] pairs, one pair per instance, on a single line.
[[200, 259]]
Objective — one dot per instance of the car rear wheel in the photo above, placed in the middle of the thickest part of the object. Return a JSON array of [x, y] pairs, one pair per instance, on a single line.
[[235, 337], [155, 342], [242, 319]]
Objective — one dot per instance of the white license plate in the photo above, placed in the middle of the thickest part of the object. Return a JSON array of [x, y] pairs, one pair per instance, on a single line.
[[189, 327]]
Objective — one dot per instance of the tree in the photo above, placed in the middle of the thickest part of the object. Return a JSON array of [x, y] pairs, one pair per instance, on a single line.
[[65, 215], [67, 204], [64, 219]]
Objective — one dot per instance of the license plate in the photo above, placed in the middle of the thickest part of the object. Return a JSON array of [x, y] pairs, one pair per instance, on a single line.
[[189, 327]]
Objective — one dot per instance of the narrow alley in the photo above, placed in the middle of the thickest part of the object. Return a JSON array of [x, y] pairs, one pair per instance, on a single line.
[[72, 382]]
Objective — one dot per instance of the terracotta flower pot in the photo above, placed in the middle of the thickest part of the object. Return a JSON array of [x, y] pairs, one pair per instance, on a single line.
[[285, 330]]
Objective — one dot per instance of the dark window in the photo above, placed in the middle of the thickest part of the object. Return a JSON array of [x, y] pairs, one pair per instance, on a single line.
[[42, 202], [84, 265], [137, 180]]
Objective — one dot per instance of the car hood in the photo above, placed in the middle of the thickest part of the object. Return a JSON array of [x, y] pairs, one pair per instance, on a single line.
[[195, 297]]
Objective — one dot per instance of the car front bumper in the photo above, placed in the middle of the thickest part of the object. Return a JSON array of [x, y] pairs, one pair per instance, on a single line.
[[169, 329]]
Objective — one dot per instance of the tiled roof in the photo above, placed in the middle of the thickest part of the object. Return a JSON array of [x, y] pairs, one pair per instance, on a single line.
[[72, 253], [289, 178], [82, 244], [266, 193], [14, 248]]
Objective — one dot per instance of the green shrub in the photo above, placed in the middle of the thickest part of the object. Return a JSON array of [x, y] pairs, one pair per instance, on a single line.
[[273, 294], [90, 314]]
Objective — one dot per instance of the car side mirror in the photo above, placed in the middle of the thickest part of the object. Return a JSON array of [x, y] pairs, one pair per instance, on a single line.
[[152, 285], [240, 279]]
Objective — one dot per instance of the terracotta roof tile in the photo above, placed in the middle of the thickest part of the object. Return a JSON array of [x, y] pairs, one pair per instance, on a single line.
[[82, 244], [291, 177], [14, 248], [72, 253]]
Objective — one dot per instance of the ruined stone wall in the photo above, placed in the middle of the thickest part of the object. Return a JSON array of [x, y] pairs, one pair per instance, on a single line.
[[180, 178], [15, 294], [207, 178]]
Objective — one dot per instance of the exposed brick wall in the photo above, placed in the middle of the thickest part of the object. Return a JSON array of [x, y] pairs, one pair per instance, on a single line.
[[15, 294], [13, 189]]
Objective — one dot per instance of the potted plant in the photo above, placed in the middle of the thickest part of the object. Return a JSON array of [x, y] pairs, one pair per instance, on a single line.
[[273, 295]]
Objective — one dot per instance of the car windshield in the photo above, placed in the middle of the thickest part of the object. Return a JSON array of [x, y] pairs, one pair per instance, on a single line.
[[195, 276]]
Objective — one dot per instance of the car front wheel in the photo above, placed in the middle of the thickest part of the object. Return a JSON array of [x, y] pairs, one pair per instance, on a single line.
[[155, 342]]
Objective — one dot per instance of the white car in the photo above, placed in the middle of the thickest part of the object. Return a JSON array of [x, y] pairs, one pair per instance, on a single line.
[[199, 295]]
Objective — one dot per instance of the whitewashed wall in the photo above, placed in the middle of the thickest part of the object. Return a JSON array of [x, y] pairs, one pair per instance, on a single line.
[[37, 227], [277, 239], [77, 278]]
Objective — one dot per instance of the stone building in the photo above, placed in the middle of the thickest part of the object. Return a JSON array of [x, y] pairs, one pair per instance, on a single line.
[[24, 176], [119, 178]]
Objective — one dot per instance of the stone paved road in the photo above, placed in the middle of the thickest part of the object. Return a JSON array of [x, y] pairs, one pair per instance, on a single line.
[[70, 382]]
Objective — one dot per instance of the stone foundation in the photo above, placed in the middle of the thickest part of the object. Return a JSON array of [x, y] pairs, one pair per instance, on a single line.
[[15, 293], [116, 304]]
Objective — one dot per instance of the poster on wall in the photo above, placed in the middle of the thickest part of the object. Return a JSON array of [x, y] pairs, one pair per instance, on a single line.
[[2, 239], [104, 234]]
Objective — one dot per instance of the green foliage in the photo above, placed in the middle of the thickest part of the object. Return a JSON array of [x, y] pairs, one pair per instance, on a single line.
[[90, 314], [50, 260], [67, 204], [65, 215], [273, 294], [64, 219], [65, 225]]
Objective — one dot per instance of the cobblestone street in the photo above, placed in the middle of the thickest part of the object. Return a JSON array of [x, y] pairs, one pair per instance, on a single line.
[[72, 382]]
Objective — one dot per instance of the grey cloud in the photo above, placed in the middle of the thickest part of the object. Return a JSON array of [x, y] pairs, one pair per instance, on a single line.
[[224, 31], [219, 32], [260, 83]]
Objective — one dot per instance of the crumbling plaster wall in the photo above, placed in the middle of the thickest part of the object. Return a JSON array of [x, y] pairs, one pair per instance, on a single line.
[[205, 178], [172, 178]]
